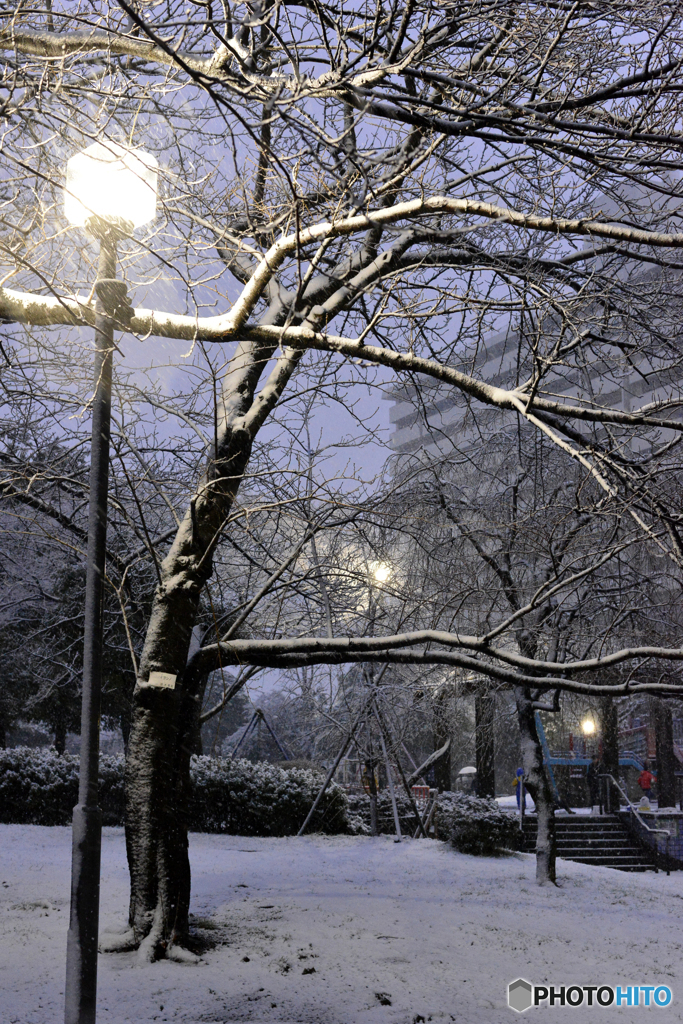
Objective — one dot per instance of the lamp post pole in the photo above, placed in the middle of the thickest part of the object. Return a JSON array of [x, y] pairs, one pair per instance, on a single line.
[[81, 956], [110, 190]]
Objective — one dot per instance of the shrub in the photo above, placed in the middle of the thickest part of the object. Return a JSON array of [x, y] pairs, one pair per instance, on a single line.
[[474, 825], [38, 787], [246, 799]]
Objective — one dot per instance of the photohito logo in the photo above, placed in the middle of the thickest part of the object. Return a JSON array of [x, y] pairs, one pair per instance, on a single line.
[[522, 995]]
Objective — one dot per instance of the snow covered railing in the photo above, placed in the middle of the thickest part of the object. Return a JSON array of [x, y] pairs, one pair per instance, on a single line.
[[635, 815]]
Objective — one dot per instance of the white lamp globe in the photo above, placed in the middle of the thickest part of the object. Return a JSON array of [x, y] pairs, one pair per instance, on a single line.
[[112, 183]]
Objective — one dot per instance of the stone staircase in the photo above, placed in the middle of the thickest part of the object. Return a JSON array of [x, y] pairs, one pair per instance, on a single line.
[[603, 841]]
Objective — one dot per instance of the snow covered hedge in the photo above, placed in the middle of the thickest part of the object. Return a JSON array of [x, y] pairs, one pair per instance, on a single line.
[[474, 825], [246, 799], [38, 787]]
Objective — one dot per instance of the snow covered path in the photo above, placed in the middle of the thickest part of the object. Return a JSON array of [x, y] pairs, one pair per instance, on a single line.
[[320, 930]]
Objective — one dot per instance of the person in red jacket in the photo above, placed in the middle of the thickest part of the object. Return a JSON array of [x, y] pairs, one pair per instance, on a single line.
[[645, 780]]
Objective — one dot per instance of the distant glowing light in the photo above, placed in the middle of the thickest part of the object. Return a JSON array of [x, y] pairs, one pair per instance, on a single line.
[[381, 571], [588, 726]]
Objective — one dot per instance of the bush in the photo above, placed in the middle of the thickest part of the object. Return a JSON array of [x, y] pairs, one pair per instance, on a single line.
[[474, 825], [246, 799], [38, 787]]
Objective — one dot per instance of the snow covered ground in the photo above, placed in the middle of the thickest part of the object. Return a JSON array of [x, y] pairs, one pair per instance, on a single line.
[[344, 931]]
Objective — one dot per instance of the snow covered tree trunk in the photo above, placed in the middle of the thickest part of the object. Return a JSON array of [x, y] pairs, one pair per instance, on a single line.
[[370, 772], [160, 746], [161, 740], [537, 782], [157, 780]]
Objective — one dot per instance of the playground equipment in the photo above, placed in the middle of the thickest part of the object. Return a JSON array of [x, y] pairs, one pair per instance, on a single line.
[[370, 720], [255, 722], [627, 759]]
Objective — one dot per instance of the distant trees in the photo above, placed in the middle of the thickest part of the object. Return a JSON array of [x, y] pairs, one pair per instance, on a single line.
[[41, 630]]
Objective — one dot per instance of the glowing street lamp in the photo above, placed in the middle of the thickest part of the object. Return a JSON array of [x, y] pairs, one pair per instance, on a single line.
[[109, 192], [377, 573], [381, 571], [588, 727], [117, 185]]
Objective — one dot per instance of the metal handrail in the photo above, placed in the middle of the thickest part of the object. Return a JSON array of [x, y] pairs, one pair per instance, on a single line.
[[644, 824]]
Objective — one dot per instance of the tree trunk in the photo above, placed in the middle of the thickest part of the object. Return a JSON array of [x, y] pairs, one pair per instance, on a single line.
[[484, 708], [442, 732], [610, 735], [159, 748], [370, 769], [537, 782], [666, 758], [610, 749], [161, 743], [163, 719], [124, 723], [157, 783], [60, 736]]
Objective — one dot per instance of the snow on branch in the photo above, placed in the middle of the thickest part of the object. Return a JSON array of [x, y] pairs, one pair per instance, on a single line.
[[41, 310], [502, 664], [514, 400], [58, 45]]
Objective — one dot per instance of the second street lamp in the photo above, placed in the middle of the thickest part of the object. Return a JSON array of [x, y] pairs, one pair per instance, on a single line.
[[109, 192]]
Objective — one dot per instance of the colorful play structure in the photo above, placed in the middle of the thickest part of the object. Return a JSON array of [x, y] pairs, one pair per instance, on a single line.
[[572, 759]]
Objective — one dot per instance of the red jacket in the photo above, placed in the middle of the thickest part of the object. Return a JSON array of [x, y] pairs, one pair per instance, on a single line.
[[645, 779]]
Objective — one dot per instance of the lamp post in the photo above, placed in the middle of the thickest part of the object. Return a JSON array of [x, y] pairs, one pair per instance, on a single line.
[[378, 573], [109, 192], [588, 730]]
